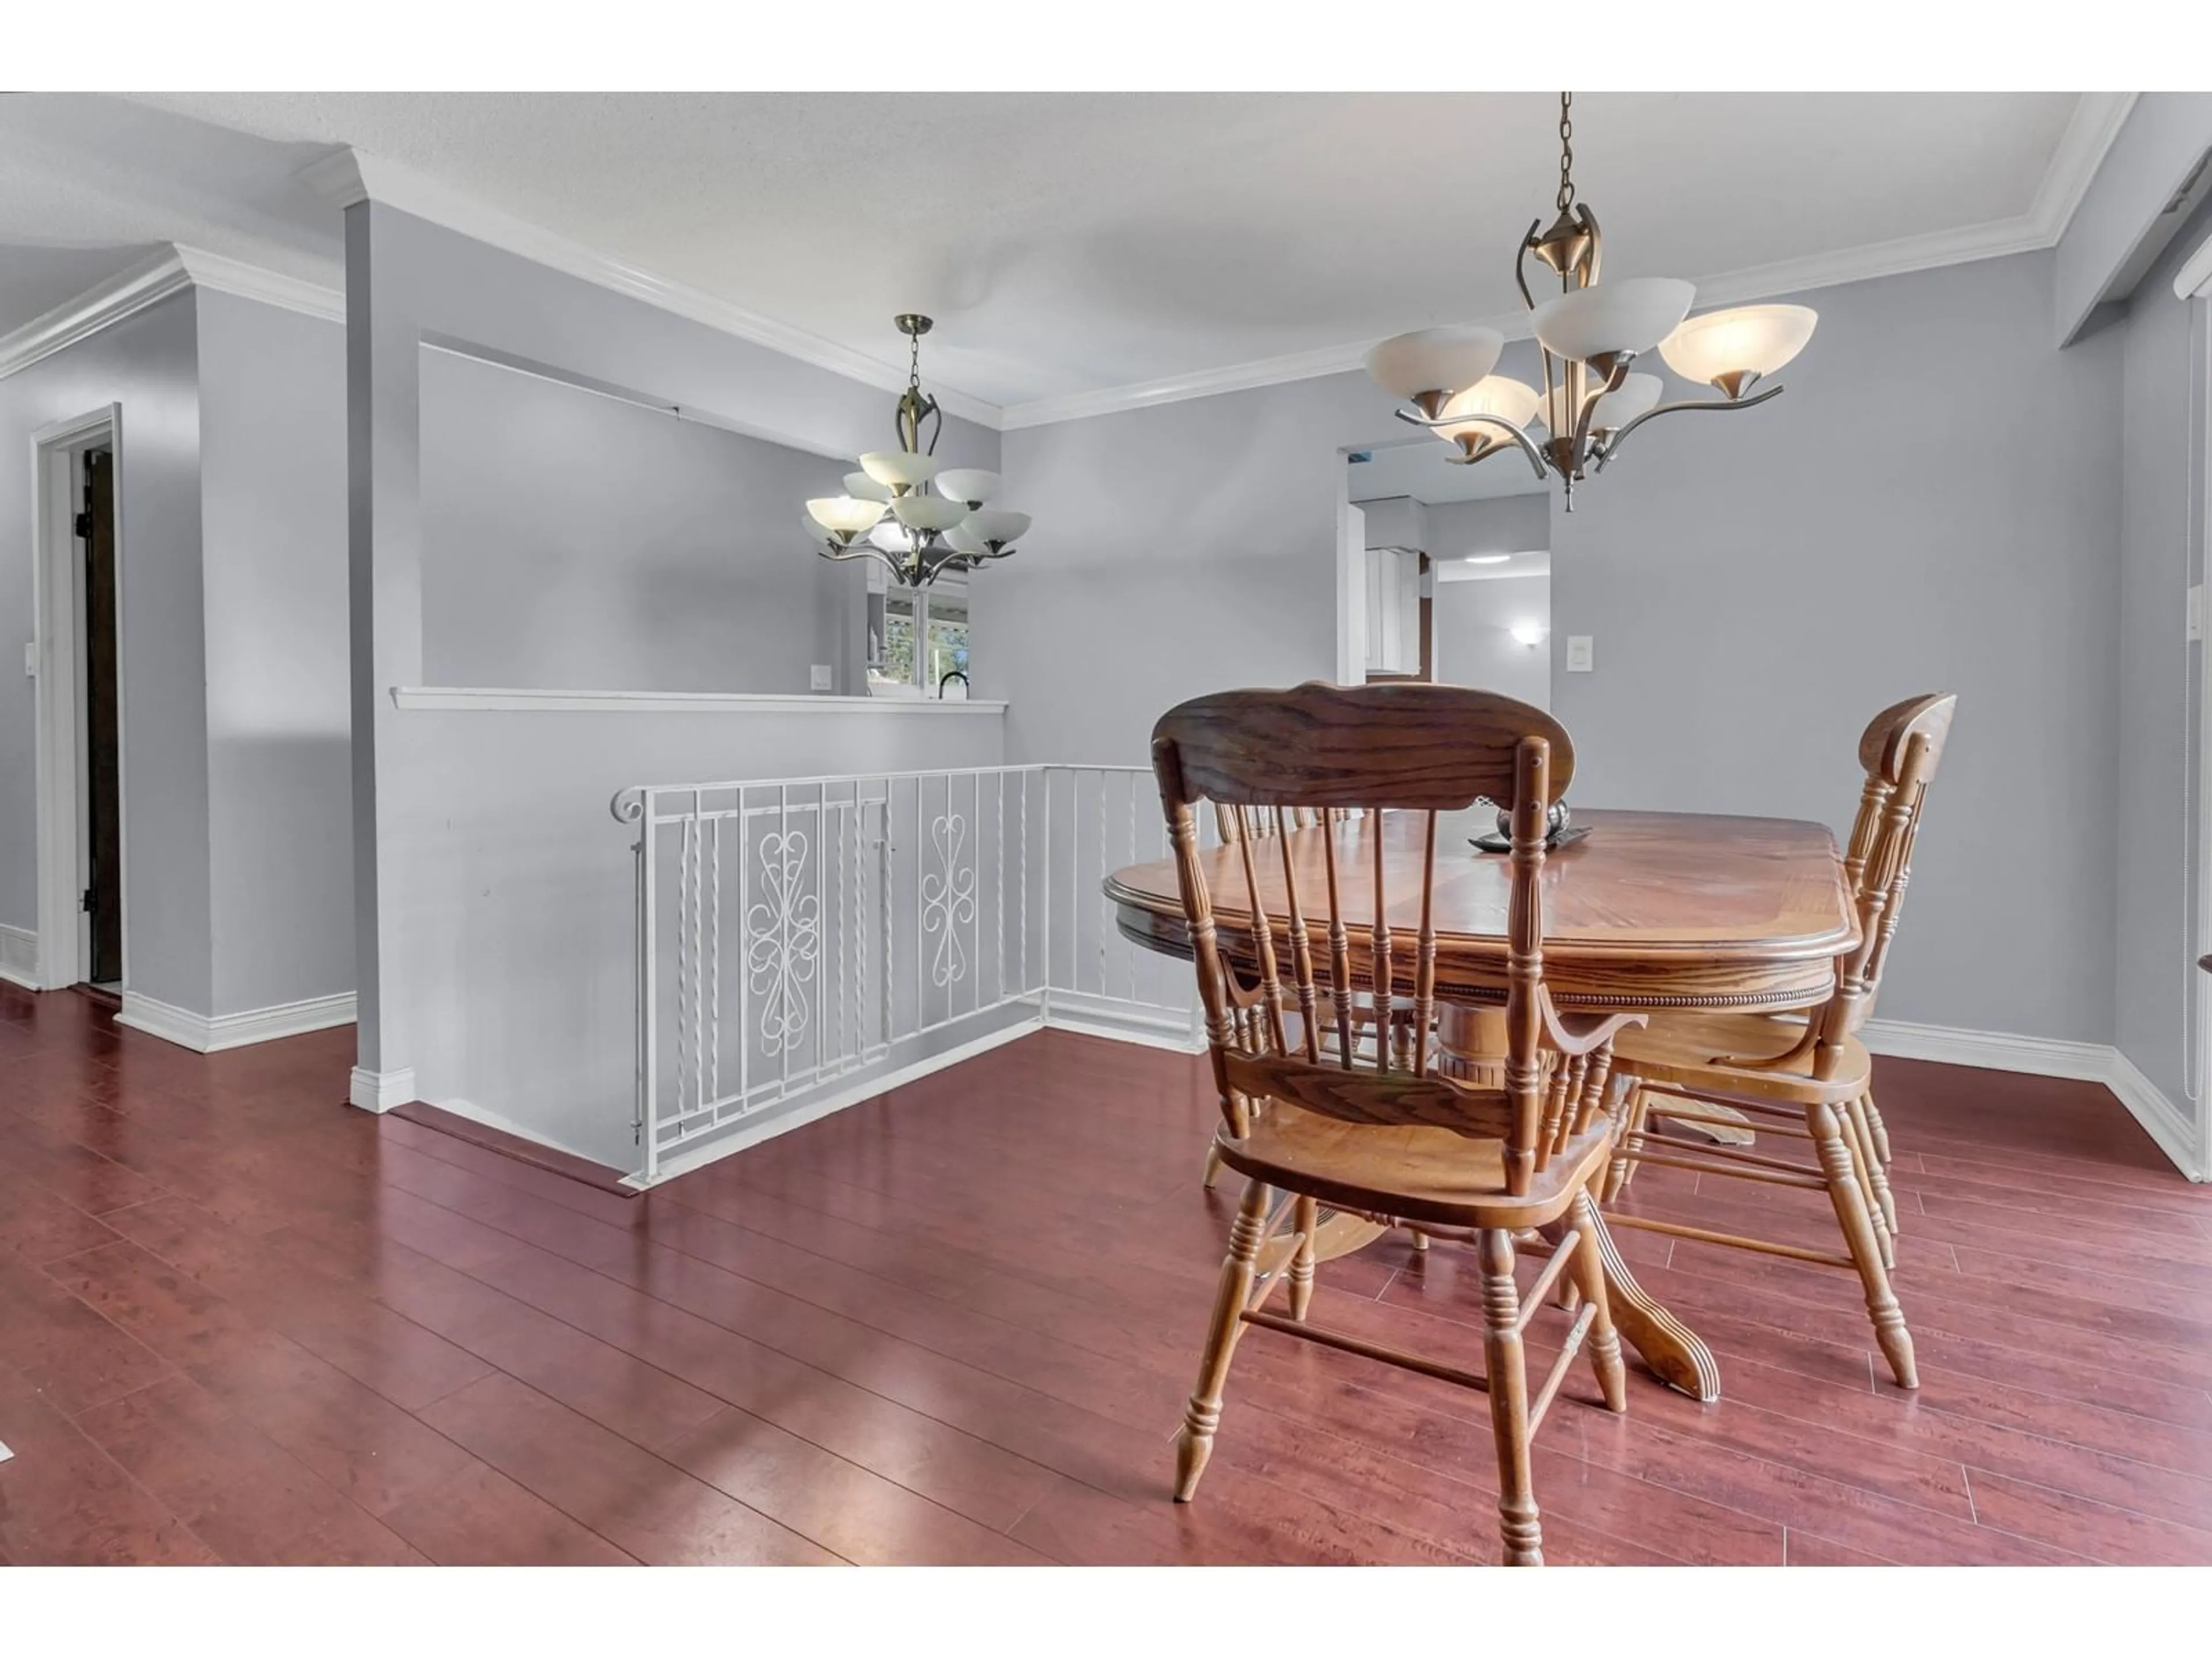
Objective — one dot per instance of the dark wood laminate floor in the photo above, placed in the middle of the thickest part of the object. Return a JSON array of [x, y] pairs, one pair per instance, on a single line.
[[241, 1322]]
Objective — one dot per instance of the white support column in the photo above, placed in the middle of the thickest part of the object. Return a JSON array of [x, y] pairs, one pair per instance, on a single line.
[[383, 425]]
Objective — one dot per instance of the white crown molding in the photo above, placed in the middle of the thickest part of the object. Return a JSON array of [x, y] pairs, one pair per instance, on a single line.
[[171, 270], [349, 176], [487, 700], [2194, 279], [2096, 122], [101, 306], [379, 1091], [210, 1034], [269, 287], [2094, 125]]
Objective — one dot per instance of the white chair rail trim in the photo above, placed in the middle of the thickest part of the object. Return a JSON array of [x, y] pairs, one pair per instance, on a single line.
[[485, 700]]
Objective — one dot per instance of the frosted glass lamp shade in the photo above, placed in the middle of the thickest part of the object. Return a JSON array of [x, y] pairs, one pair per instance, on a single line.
[[997, 525], [1633, 315], [899, 469], [860, 485], [1744, 342], [1435, 359], [1638, 395], [892, 538], [970, 484], [928, 513], [1500, 395], [843, 514], [961, 539]]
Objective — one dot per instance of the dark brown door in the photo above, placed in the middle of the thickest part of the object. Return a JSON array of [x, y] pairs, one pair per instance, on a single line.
[[103, 899]]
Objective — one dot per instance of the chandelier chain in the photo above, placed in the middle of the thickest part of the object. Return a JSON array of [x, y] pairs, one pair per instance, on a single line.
[[1566, 151]]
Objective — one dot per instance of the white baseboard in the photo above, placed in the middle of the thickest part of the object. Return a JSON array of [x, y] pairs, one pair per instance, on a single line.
[[379, 1091], [1107, 1016], [1992, 1051], [2162, 1120], [207, 1034], [507, 1126], [693, 1157], [2092, 1062], [19, 957]]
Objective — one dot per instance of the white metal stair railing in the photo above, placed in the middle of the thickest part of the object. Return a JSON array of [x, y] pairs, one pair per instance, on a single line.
[[805, 942]]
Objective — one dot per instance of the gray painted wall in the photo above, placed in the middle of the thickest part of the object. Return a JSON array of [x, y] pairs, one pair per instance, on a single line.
[[1500, 523], [147, 363], [517, 941], [475, 986], [1475, 642], [577, 541], [2166, 351], [279, 721], [1758, 585]]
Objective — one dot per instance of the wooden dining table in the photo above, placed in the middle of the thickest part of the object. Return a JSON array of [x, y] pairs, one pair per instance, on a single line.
[[1648, 911]]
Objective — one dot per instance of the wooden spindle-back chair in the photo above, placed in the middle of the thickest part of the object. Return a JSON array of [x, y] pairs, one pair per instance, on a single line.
[[1771, 1072], [1382, 1134]]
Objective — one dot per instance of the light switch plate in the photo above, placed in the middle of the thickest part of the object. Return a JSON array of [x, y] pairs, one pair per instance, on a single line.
[[31, 658], [819, 678], [1580, 658], [2195, 613]]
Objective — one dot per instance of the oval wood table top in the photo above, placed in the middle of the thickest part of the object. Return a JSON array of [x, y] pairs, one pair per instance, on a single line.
[[1648, 910]]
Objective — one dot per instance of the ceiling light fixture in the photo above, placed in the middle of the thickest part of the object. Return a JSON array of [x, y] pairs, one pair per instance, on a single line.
[[1590, 335], [887, 513]]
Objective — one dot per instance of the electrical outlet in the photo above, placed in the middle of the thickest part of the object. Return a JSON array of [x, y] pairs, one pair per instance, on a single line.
[[2195, 624], [1580, 657], [820, 678]]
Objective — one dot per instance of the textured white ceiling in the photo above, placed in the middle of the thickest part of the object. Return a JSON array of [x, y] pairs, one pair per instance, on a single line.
[[1066, 243]]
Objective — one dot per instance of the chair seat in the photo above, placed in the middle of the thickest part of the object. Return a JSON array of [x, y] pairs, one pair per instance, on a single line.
[[1681, 1048], [1409, 1172]]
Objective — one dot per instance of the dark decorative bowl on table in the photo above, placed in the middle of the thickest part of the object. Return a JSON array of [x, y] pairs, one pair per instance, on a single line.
[[1559, 832]]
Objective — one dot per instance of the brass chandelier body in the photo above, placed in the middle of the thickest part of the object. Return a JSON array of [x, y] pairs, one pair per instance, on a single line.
[[1590, 339], [890, 513]]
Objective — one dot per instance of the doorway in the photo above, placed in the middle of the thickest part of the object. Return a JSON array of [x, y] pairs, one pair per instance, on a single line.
[[102, 900], [1444, 572], [77, 661]]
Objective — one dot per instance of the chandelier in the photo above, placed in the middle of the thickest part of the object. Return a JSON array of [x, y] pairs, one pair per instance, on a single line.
[[1590, 335], [887, 512]]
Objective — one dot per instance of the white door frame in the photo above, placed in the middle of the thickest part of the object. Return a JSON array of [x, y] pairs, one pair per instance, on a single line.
[[58, 453]]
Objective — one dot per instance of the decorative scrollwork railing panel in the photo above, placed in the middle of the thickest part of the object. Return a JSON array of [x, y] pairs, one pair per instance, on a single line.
[[874, 923]]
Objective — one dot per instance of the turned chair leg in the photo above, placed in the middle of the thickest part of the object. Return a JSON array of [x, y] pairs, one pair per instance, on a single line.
[[1420, 1239], [1586, 1270], [1848, 1129], [1212, 1167], [1860, 1134], [1305, 1217], [1635, 1114], [1860, 1234], [1881, 1132], [1877, 1162], [1508, 1401], [1195, 1444]]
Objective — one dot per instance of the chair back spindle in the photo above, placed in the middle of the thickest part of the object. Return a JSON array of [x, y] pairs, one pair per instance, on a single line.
[[1899, 751], [1317, 771]]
